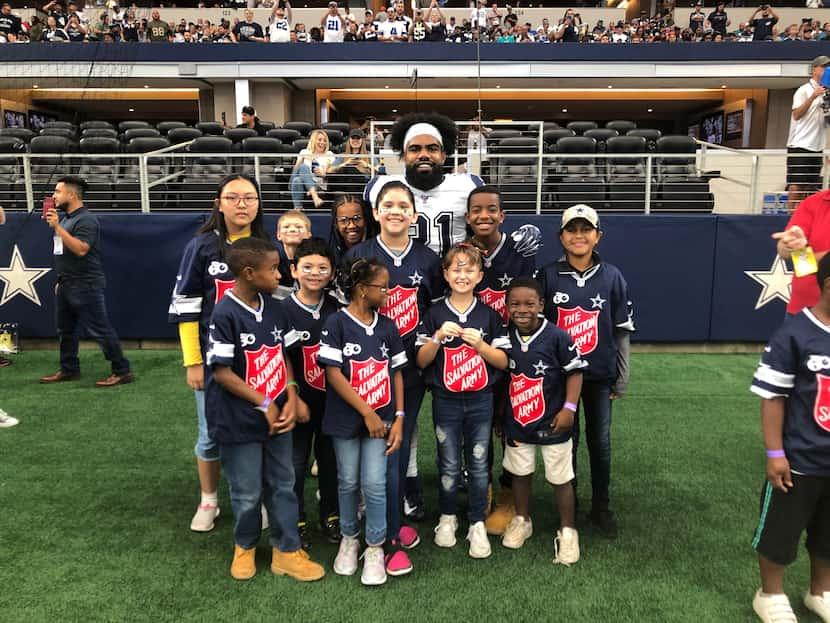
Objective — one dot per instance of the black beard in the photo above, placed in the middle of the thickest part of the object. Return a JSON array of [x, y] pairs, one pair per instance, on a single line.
[[424, 180], [62, 207]]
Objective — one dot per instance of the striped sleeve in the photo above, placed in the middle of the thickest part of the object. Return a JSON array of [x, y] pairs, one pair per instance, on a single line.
[[331, 351], [775, 376], [220, 342], [186, 301]]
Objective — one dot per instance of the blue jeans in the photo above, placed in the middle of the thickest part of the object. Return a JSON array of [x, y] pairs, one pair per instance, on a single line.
[[260, 473], [301, 182], [206, 449], [361, 465], [596, 406], [462, 421], [80, 306]]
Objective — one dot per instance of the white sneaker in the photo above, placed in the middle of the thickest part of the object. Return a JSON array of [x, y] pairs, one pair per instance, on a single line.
[[566, 547], [374, 567], [264, 511], [7, 421], [479, 543], [517, 532], [773, 608], [819, 605], [445, 531], [346, 561], [203, 520]]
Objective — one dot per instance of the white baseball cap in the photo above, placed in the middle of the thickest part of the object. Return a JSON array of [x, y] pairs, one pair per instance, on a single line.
[[580, 210]]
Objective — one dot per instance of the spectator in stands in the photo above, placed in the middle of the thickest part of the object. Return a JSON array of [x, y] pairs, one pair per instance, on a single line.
[[333, 24], [72, 9], [36, 28], [74, 30], [762, 25], [249, 31], [55, 9], [568, 31], [418, 31], [53, 33], [718, 20], [807, 135], [158, 30], [792, 33], [308, 176], [478, 14], [280, 27], [222, 34], [251, 121], [9, 22], [300, 34], [619, 36], [697, 17], [351, 170], [368, 30], [394, 30], [401, 16], [436, 23]]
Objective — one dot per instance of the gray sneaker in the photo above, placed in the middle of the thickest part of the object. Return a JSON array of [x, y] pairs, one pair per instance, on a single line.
[[346, 561], [7, 421], [374, 567]]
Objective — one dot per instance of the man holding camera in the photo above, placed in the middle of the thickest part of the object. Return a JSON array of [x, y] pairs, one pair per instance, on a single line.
[[807, 135], [568, 31], [762, 26]]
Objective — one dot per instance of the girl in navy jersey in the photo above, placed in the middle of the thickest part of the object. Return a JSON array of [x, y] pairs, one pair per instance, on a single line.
[[414, 284], [251, 409], [306, 310], [203, 279], [351, 223], [362, 353], [460, 342]]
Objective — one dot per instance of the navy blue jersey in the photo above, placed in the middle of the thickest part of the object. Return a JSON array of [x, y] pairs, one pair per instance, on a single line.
[[590, 307], [458, 367], [367, 355], [287, 283], [308, 323], [203, 279], [501, 266], [796, 366], [415, 282], [253, 343], [539, 366]]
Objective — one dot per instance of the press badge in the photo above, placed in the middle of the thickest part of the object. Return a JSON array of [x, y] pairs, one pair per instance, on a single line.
[[804, 262], [57, 245]]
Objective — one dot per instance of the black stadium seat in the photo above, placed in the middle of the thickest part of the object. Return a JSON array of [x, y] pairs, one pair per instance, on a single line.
[[553, 135], [600, 135], [679, 186], [165, 126], [649, 134], [101, 171], [129, 125], [139, 133], [274, 171], [626, 176], [211, 128], [576, 179], [340, 126], [284, 135], [127, 189], [580, 127], [64, 125], [303, 127], [300, 144], [205, 172], [11, 172], [336, 137], [64, 132], [96, 125], [621, 126], [23, 134], [177, 136], [99, 133], [497, 135], [237, 135], [55, 163]]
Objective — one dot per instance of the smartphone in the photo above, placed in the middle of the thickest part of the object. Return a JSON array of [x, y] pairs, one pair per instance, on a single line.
[[48, 204], [224, 118], [825, 78]]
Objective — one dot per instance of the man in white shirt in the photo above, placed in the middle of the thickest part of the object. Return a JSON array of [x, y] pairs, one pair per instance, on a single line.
[[807, 135], [333, 24], [280, 28]]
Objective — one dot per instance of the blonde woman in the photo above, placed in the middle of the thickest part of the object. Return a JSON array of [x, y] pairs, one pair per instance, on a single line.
[[308, 177]]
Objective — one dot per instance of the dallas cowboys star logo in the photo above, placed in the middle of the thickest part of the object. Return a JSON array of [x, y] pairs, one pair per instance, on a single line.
[[19, 279], [504, 281], [416, 278], [276, 334], [384, 350], [483, 333], [776, 282], [597, 302], [539, 367]]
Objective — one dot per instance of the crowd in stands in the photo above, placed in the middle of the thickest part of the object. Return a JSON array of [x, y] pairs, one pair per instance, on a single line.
[[492, 24]]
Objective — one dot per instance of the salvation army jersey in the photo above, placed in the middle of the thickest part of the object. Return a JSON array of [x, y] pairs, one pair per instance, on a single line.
[[589, 307], [539, 366], [415, 282], [203, 279], [457, 366], [253, 343], [368, 356], [308, 323], [795, 365], [501, 266], [440, 210]]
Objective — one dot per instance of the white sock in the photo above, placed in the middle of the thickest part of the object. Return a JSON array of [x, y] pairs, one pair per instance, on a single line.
[[412, 467], [211, 499]]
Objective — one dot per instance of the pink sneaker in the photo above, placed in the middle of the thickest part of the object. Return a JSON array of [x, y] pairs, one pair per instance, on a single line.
[[397, 562], [409, 537]]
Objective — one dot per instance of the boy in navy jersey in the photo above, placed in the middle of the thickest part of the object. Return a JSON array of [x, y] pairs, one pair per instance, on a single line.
[[545, 382], [502, 264], [306, 310], [588, 298], [460, 347], [251, 401], [292, 228], [793, 378]]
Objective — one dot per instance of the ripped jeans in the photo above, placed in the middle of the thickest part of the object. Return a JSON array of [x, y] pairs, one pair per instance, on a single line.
[[462, 422]]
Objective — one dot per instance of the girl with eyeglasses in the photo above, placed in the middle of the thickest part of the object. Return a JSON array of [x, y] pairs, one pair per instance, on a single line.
[[203, 279], [351, 223]]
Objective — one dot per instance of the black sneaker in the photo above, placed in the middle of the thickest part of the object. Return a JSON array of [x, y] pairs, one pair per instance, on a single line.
[[413, 508], [302, 529], [330, 527], [604, 523]]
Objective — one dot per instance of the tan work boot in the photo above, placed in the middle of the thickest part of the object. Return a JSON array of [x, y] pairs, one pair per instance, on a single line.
[[243, 566], [504, 512], [297, 564]]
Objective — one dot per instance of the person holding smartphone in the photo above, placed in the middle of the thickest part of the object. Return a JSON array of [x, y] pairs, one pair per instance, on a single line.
[[762, 24]]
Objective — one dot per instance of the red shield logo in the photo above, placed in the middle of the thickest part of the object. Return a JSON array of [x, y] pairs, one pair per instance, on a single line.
[[495, 299], [464, 369], [370, 379], [265, 370], [821, 410], [527, 398], [402, 308], [581, 325], [314, 375], [222, 288]]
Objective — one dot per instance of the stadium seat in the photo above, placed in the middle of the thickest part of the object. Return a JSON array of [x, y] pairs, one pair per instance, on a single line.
[[99, 172], [576, 179], [96, 125], [600, 135], [268, 125], [340, 126], [11, 172], [621, 126], [553, 135], [132, 133], [274, 171], [127, 189], [580, 127], [518, 167], [237, 135], [649, 134], [99, 133], [165, 126], [300, 144], [679, 187], [303, 127], [284, 135], [129, 125], [335, 137], [54, 162], [205, 172], [497, 135], [626, 176], [176, 136], [64, 132], [59, 124], [550, 125], [23, 134], [211, 128]]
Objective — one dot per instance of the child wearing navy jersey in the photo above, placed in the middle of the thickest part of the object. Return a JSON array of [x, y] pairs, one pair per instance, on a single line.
[[460, 347], [793, 378], [414, 284], [306, 310], [362, 353], [292, 228], [588, 299], [251, 401], [544, 385]]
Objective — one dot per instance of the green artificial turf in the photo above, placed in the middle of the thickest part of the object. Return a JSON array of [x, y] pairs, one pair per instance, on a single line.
[[97, 487]]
